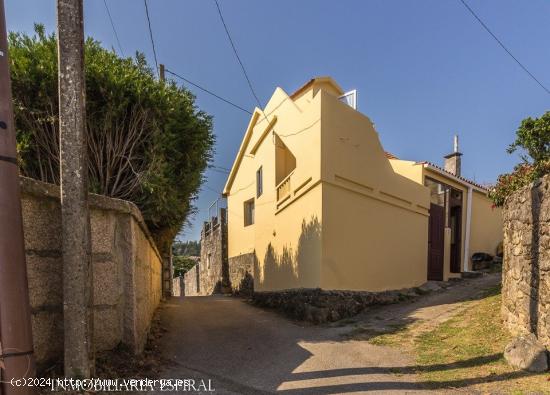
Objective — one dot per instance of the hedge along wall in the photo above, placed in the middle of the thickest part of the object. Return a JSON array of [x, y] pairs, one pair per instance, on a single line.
[[526, 268], [126, 263]]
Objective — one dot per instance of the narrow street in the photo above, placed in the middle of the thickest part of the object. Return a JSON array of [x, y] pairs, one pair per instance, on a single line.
[[247, 350]]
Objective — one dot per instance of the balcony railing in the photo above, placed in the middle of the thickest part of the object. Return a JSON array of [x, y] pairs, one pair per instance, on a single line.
[[283, 189]]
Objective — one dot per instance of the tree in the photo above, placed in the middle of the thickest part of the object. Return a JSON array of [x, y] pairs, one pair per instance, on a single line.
[[182, 264], [147, 140], [533, 136], [533, 139], [186, 248]]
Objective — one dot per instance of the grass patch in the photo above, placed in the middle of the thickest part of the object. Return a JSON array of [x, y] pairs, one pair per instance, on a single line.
[[466, 351], [390, 337]]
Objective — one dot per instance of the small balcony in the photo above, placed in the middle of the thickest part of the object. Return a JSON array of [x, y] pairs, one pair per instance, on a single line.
[[283, 189]]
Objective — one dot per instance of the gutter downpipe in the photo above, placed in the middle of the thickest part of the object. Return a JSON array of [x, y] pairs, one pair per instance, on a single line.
[[16, 345], [468, 226]]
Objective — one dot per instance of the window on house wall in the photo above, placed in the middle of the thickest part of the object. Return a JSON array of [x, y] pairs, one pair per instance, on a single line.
[[249, 212], [259, 182], [285, 161]]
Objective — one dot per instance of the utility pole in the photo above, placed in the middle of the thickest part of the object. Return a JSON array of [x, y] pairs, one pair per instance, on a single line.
[[16, 346], [167, 259], [77, 264], [161, 72]]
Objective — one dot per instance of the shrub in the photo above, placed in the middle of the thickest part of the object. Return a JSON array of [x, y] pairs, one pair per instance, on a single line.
[[147, 141], [533, 140]]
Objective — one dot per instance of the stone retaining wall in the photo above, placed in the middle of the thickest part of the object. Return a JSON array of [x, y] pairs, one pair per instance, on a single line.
[[178, 286], [241, 274], [126, 264], [191, 283], [526, 265], [213, 263], [319, 306]]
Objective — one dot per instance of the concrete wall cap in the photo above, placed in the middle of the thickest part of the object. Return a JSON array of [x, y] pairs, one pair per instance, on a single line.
[[37, 188]]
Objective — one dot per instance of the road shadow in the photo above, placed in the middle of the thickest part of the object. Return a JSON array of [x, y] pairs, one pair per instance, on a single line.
[[248, 350]]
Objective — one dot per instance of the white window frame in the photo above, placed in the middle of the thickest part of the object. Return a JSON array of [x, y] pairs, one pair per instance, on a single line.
[[350, 98], [249, 215], [259, 182]]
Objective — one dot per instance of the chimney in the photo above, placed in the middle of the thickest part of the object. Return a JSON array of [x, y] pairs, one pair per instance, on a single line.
[[452, 161]]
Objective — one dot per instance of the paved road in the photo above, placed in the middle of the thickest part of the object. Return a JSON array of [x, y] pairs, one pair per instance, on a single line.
[[246, 350]]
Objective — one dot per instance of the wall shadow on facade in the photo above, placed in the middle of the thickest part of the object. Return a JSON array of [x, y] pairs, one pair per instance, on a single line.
[[292, 268]]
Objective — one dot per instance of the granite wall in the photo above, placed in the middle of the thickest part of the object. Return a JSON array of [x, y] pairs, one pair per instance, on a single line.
[[216, 273], [126, 263], [211, 274], [241, 274], [526, 265], [178, 286], [191, 282]]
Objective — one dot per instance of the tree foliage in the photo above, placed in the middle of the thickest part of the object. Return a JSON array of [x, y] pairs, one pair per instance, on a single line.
[[186, 248], [147, 140], [182, 264], [533, 140]]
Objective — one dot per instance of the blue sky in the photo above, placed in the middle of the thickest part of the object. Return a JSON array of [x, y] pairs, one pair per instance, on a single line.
[[424, 69]]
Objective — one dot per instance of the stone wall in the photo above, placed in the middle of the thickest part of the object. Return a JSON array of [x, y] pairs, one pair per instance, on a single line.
[[211, 275], [241, 274], [191, 281], [526, 265], [178, 286], [126, 263], [213, 264], [319, 306], [215, 273]]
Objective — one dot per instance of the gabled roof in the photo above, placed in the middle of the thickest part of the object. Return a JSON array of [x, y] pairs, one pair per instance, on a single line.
[[313, 81], [448, 174], [242, 150], [254, 119]]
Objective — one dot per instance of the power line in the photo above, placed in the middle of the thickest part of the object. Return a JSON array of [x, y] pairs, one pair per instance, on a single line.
[[503, 46], [113, 26], [208, 91], [212, 189], [151, 35], [219, 171], [237, 54]]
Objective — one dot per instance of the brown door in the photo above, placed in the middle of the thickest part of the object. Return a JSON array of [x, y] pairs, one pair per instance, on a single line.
[[436, 242], [456, 229]]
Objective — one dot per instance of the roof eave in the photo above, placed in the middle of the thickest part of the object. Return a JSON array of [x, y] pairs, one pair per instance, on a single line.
[[459, 180]]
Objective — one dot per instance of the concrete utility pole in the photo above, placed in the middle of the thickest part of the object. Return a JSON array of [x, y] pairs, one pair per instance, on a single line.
[[77, 264], [16, 346], [161, 72], [167, 259]]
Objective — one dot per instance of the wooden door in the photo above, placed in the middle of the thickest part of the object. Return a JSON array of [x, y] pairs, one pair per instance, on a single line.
[[456, 243], [436, 243]]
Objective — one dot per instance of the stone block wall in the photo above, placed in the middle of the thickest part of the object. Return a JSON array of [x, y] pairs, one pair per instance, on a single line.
[[178, 286], [211, 274], [126, 265], [213, 263], [216, 273], [191, 282], [241, 273], [526, 265]]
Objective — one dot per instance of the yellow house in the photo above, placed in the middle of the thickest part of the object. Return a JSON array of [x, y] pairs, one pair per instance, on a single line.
[[315, 201]]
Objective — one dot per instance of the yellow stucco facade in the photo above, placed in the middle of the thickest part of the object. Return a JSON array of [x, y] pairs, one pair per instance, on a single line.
[[313, 197]]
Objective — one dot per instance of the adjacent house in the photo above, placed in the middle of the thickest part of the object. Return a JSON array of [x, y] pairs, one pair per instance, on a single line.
[[315, 201]]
